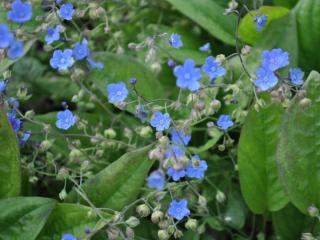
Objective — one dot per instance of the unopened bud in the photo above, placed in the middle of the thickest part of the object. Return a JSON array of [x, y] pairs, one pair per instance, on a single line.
[[113, 233], [178, 234], [215, 104], [156, 216], [46, 145], [129, 233], [305, 103], [133, 222], [110, 133], [220, 196], [313, 211], [191, 224], [143, 210], [163, 235]]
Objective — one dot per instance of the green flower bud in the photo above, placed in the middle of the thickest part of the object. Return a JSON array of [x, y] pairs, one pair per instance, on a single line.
[[313, 211], [171, 229], [113, 233], [62, 174], [29, 114], [78, 73], [178, 234], [63, 194], [220, 196], [22, 94], [215, 104], [116, 217], [163, 235], [145, 132], [129, 233], [163, 224], [156, 216], [143, 210], [202, 201], [305, 103], [109, 133], [46, 145], [132, 222], [75, 154], [191, 224], [221, 147]]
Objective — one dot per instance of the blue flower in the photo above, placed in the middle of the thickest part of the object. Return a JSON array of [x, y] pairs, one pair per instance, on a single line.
[[171, 63], [53, 34], [176, 175], [180, 137], [174, 151], [188, 76], [68, 236], [14, 121], [205, 47], [66, 11], [296, 76], [117, 92], [160, 121], [175, 40], [265, 79], [179, 209], [196, 168], [6, 37], [95, 65], [3, 86], [141, 113], [156, 180], [62, 60], [81, 50], [16, 50], [224, 122], [274, 59], [260, 22], [25, 137], [65, 119], [212, 68], [20, 12], [13, 102]]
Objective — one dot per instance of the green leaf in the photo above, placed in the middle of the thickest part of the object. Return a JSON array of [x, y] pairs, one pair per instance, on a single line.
[[69, 218], [119, 184], [122, 68], [216, 134], [23, 217], [298, 148], [248, 31], [258, 172], [288, 223], [10, 180], [209, 15], [286, 3], [235, 214]]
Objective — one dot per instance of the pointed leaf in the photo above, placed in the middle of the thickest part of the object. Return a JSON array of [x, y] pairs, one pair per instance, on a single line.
[[258, 172], [23, 217], [299, 148], [10, 180], [119, 183]]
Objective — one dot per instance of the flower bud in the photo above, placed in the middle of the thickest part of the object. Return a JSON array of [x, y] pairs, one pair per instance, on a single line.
[[220, 196], [113, 233], [62, 174], [29, 114], [75, 154], [220, 58], [171, 229], [221, 147], [202, 201], [109, 133], [46, 145], [305, 103], [191, 224], [143, 210], [128, 133], [178, 234], [156, 216], [133, 221], [63, 194], [145, 132], [163, 224], [215, 104], [246, 50], [129, 233], [163, 235], [313, 211]]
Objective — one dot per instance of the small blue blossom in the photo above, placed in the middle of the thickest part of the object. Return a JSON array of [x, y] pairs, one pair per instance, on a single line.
[[20, 12], [171, 63], [65, 119], [180, 137], [3, 86], [81, 50], [196, 168], [265, 79], [141, 113], [25, 137], [176, 175], [224, 122], [274, 59], [53, 34], [296, 76], [6, 37], [16, 50], [68, 236], [66, 11], [205, 47], [95, 65], [175, 40], [58, 1], [14, 121], [179, 209], [174, 151], [117, 92], [188, 76], [156, 180], [62, 60], [133, 81], [160, 121], [212, 68], [260, 22], [13, 102]]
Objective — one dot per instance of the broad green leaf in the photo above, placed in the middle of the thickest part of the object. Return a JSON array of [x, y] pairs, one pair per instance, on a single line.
[[23, 217], [69, 218], [298, 148], [235, 214], [288, 223], [122, 68], [119, 183], [10, 180], [286, 3], [214, 223], [248, 31], [209, 15], [258, 171]]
